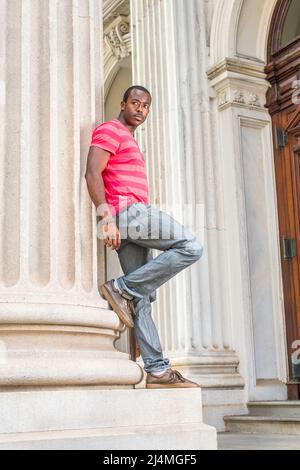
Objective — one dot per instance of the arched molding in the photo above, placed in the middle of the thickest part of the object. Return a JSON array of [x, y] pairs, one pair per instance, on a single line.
[[240, 28], [278, 21], [224, 29], [283, 62]]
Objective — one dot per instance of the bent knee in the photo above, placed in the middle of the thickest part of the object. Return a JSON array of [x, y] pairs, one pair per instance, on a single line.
[[194, 249], [152, 296]]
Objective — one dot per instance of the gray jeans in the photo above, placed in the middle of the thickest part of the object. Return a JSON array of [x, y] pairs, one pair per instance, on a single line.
[[144, 227]]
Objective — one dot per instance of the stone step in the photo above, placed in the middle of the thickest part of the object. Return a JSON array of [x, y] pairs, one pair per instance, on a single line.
[[280, 409], [264, 441], [186, 436], [104, 419], [262, 424]]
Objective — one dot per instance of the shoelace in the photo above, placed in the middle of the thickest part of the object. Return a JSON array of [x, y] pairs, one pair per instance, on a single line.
[[176, 374], [130, 306]]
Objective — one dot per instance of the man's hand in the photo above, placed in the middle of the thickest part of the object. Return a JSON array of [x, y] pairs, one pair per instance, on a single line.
[[111, 235]]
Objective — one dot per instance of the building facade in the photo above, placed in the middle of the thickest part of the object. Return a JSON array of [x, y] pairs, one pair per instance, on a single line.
[[225, 81], [223, 136]]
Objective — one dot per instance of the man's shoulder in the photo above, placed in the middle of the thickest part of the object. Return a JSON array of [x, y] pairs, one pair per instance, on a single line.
[[112, 122], [110, 126]]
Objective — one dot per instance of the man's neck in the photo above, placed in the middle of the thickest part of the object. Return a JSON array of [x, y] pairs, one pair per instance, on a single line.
[[130, 128]]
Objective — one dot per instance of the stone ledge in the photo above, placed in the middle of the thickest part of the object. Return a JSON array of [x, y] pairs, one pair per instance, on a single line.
[[187, 437], [105, 419]]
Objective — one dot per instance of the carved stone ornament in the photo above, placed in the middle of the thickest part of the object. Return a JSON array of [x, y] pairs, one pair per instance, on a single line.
[[239, 97], [117, 36], [222, 98], [254, 100]]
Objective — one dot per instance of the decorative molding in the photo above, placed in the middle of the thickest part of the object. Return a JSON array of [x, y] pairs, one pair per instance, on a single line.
[[238, 66], [254, 100], [113, 8], [276, 28], [294, 122], [223, 29], [117, 46], [281, 74], [240, 97], [239, 82], [117, 37], [222, 98], [232, 23]]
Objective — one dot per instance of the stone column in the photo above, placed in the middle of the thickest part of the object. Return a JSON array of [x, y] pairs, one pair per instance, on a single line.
[[245, 130], [55, 329], [156, 68], [193, 309]]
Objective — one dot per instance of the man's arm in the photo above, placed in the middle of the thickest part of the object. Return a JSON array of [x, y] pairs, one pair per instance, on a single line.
[[96, 163]]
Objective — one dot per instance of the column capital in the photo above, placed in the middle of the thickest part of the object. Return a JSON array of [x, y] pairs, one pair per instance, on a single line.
[[239, 83]]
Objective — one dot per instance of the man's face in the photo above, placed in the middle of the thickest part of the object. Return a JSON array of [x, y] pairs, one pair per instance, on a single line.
[[137, 108]]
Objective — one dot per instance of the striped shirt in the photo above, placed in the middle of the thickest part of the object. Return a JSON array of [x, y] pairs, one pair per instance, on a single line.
[[124, 177]]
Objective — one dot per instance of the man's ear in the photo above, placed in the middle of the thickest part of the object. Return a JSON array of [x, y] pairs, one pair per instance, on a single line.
[[123, 104]]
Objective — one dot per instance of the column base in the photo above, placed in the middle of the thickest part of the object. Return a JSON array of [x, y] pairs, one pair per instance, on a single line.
[[223, 388], [63, 356], [104, 419]]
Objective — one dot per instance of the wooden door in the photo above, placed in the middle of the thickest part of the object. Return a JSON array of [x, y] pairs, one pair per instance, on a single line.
[[287, 168], [283, 101]]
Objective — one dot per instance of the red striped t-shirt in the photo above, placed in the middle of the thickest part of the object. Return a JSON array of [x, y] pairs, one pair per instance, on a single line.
[[124, 177]]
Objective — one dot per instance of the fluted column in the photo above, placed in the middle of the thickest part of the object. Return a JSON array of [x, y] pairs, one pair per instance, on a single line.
[[54, 326], [193, 309]]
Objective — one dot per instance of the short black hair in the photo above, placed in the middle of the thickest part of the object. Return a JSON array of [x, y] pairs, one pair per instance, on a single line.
[[134, 87]]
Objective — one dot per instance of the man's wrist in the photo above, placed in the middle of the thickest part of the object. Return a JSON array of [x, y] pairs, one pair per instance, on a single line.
[[107, 221], [105, 213], [104, 220]]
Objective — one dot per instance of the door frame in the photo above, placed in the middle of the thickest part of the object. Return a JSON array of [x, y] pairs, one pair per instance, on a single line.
[[282, 70]]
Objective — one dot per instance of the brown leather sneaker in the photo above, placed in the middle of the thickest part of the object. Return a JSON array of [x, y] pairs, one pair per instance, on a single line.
[[123, 307], [170, 379]]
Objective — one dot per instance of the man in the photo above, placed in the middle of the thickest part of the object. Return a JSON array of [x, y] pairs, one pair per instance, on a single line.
[[117, 183]]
